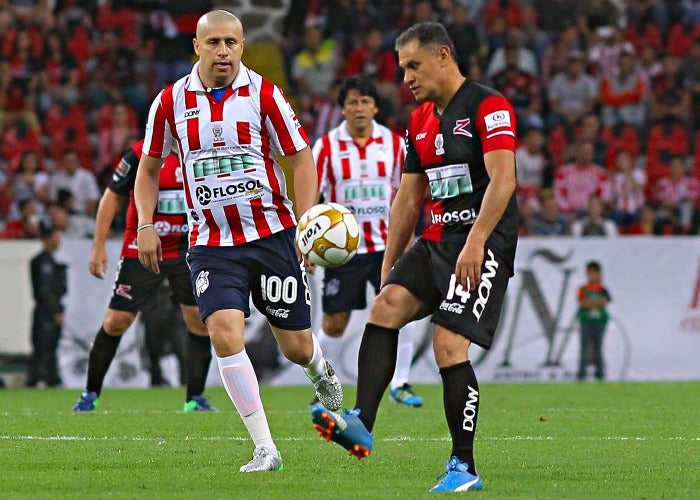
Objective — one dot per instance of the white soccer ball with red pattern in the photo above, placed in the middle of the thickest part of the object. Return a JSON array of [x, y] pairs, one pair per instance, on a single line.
[[328, 234]]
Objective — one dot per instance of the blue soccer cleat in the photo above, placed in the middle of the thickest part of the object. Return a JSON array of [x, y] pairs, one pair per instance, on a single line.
[[198, 403], [458, 478], [347, 430], [404, 395], [87, 402]]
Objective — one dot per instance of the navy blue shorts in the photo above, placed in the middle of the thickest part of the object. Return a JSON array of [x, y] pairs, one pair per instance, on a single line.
[[345, 287], [266, 270], [427, 271], [134, 285]]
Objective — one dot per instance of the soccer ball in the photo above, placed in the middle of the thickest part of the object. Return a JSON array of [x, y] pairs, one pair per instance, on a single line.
[[328, 234]]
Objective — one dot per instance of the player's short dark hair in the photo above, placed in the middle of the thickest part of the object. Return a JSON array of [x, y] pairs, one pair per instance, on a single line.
[[363, 84], [428, 33], [593, 265]]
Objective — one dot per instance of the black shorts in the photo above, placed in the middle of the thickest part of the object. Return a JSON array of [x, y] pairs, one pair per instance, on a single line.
[[266, 270], [345, 287], [427, 271], [134, 285]]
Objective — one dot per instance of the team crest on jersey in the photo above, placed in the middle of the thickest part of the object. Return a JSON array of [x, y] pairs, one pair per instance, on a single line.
[[439, 145], [461, 127], [217, 128]]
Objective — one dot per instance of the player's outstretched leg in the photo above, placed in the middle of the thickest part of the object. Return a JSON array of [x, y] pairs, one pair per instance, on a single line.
[[345, 429]]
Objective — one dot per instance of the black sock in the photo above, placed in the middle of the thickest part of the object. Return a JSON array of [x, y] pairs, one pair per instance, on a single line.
[[101, 355], [197, 361], [376, 364], [460, 392]]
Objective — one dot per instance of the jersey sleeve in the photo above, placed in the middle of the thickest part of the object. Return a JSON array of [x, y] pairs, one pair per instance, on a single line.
[[124, 176], [412, 164], [495, 123], [399, 147], [283, 127], [158, 140]]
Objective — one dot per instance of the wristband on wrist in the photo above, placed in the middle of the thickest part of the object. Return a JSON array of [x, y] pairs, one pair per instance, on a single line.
[[144, 226]]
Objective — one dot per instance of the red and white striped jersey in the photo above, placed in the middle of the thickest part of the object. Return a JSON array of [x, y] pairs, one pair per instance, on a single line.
[[234, 186], [362, 178]]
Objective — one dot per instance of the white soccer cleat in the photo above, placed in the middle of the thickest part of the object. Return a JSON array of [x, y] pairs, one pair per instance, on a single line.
[[263, 461], [328, 389]]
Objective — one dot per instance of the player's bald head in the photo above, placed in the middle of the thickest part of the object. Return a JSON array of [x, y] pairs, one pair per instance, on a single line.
[[216, 17]]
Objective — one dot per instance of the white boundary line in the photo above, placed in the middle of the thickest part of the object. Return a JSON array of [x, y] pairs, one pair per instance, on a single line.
[[161, 440]]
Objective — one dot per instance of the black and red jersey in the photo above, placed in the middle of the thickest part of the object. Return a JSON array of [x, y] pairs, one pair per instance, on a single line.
[[449, 149], [170, 217]]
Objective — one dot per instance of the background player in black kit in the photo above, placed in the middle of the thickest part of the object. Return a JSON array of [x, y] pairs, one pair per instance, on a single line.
[[460, 146], [134, 285]]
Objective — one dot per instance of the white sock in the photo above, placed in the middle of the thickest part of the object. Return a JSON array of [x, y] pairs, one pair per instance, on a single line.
[[241, 384], [330, 346], [317, 365], [404, 355]]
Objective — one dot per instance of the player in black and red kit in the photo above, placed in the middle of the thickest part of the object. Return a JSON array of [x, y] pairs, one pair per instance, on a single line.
[[460, 148], [134, 285]]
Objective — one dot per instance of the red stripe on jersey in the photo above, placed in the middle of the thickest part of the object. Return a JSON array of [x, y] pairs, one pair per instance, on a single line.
[[243, 130], [324, 156], [214, 230], [217, 107], [362, 150], [384, 229], [234, 221], [194, 234], [270, 109], [400, 158], [261, 224], [367, 236], [345, 161], [244, 91], [277, 198], [192, 123]]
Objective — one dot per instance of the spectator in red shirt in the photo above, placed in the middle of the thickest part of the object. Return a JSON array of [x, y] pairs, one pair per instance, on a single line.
[[623, 95]]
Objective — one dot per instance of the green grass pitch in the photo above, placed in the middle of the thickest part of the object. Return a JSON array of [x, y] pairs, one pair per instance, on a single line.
[[598, 440]]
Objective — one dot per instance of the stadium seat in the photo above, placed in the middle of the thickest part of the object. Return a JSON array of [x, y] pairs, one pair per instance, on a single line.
[[664, 140], [620, 137], [557, 144]]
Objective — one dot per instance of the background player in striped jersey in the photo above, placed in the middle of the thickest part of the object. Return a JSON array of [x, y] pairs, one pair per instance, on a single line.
[[134, 285], [229, 124], [359, 165], [461, 148]]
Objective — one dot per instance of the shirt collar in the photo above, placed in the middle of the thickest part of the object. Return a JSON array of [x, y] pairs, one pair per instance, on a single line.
[[344, 135], [194, 83]]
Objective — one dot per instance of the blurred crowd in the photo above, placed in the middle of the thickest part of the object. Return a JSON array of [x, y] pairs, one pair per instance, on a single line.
[[607, 94]]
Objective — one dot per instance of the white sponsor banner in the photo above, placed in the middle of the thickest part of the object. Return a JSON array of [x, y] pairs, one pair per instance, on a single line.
[[654, 333]]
